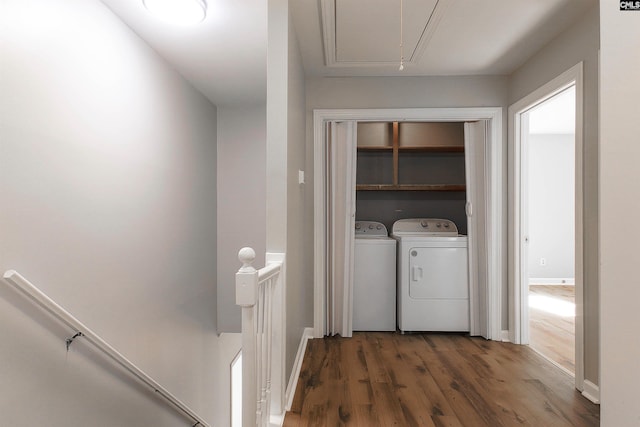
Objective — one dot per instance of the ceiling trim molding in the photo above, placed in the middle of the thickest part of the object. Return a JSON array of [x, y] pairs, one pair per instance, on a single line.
[[432, 25], [328, 14]]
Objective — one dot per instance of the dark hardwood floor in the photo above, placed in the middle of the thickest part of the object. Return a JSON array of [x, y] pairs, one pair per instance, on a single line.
[[388, 379]]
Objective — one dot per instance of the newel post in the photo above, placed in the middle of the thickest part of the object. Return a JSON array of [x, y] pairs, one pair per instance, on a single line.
[[246, 297]]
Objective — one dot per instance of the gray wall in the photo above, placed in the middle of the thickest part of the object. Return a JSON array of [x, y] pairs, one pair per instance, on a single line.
[[404, 92], [620, 293], [578, 43], [551, 206], [285, 156], [241, 200], [389, 206], [299, 257], [108, 204]]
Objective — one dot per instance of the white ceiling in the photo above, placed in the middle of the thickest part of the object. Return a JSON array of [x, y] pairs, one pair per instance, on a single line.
[[225, 56], [460, 37]]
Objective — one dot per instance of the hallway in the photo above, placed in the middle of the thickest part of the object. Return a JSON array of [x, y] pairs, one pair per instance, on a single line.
[[386, 379]]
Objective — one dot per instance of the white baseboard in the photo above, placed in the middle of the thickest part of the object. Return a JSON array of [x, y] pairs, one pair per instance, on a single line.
[[504, 336], [297, 366], [276, 420], [552, 281], [591, 391]]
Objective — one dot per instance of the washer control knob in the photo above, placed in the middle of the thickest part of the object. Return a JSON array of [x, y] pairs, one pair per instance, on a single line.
[[358, 226], [370, 226], [378, 227], [439, 225], [424, 223], [446, 225]]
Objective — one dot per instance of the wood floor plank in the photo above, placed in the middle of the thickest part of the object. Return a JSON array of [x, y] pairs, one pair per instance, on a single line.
[[550, 333], [434, 380], [387, 406], [365, 415], [410, 349], [375, 365], [506, 403], [405, 381], [357, 373], [310, 372], [292, 420], [467, 399], [446, 421]]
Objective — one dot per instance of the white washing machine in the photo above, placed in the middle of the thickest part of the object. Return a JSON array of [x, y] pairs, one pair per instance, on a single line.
[[433, 282], [374, 278]]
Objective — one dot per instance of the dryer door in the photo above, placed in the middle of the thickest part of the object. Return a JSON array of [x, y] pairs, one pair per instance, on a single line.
[[438, 273]]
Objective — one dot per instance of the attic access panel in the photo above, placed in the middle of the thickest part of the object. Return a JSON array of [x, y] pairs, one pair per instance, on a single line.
[[367, 32]]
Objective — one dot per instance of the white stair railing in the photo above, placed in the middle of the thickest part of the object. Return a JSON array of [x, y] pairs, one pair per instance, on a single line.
[[79, 330], [260, 293]]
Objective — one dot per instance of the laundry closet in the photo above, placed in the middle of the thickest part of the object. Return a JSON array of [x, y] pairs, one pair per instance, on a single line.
[[411, 170], [417, 189], [411, 201]]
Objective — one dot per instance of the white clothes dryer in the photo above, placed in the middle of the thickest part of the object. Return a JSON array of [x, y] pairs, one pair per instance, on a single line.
[[374, 278], [433, 282]]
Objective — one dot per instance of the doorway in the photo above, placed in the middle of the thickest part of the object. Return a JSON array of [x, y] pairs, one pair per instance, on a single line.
[[493, 186], [546, 222], [550, 226]]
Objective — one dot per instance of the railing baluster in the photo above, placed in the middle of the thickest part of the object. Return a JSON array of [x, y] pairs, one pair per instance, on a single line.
[[255, 293], [269, 337], [265, 353], [259, 353]]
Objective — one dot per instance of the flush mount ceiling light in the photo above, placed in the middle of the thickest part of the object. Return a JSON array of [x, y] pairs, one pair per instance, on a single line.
[[182, 12]]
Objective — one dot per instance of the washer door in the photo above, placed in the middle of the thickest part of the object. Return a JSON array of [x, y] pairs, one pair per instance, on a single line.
[[438, 273]]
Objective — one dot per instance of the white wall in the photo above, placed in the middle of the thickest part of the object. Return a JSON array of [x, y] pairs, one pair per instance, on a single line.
[[277, 115], [241, 200], [108, 204], [551, 206], [619, 204], [299, 253], [578, 43], [285, 156]]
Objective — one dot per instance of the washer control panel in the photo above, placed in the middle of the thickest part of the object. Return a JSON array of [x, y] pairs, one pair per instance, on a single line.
[[434, 226], [370, 228]]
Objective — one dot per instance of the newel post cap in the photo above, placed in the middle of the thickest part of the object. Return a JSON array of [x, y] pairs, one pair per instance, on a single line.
[[246, 279], [246, 256]]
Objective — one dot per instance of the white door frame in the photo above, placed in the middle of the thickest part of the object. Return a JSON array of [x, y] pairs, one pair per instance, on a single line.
[[494, 165], [518, 309]]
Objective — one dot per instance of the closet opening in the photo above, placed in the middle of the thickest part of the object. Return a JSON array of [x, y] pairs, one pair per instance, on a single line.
[[440, 164], [411, 179]]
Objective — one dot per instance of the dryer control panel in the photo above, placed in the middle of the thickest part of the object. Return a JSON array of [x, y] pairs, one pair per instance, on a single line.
[[432, 226], [370, 228]]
